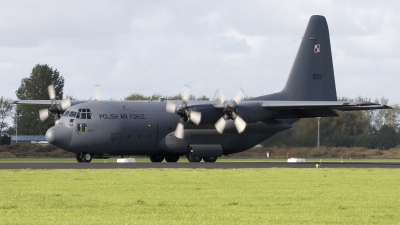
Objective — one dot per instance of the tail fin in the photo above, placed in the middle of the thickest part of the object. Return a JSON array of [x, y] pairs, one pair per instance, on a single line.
[[311, 77]]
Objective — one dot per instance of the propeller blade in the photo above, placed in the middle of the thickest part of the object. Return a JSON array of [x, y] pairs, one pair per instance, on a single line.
[[43, 114], [170, 107], [239, 96], [186, 93], [220, 97], [179, 133], [97, 92], [65, 104], [195, 117], [240, 124], [52, 93], [220, 125]]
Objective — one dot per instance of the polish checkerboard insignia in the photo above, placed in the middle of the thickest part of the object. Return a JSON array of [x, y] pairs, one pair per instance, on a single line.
[[317, 48]]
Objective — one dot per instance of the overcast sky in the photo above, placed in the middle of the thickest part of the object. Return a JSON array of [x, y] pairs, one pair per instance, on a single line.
[[158, 46]]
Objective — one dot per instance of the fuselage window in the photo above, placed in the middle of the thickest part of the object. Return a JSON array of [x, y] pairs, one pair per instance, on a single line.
[[84, 127], [83, 115], [72, 114], [88, 110], [89, 115], [83, 110], [78, 115], [80, 110], [66, 113]]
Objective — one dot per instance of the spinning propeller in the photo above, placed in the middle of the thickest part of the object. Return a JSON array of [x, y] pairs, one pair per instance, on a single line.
[[55, 108], [183, 111], [229, 109]]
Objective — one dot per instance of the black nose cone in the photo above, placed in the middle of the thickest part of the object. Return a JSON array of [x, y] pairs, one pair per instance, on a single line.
[[59, 135]]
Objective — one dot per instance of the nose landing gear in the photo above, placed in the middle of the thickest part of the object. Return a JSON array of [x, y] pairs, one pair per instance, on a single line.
[[83, 157]]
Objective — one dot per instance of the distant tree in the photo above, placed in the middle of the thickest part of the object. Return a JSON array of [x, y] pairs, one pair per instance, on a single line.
[[6, 138], [136, 96], [155, 97], [203, 97], [387, 137], [6, 108], [35, 88]]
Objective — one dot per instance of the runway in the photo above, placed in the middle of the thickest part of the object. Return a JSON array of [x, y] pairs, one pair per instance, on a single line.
[[221, 165]]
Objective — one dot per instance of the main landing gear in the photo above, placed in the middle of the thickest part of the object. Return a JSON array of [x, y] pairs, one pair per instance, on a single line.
[[175, 158], [160, 158], [83, 157], [198, 159]]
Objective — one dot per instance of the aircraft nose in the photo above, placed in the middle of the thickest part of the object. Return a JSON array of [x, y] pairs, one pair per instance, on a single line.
[[59, 136]]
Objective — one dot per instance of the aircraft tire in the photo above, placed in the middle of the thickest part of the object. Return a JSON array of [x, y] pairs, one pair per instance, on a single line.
[[78, 157], [156, 158], [86, 157], [210, 159], [193, 159], [172, 158]]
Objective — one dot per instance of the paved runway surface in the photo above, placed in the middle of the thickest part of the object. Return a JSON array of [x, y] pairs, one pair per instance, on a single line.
[[222, 165]]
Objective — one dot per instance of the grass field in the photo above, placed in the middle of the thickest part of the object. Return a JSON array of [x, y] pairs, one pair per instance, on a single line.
[[200, 196]]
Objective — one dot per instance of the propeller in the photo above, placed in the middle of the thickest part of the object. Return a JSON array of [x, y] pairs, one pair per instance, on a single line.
[[97, 92], [55, 108], [183, 111], [229, 109]]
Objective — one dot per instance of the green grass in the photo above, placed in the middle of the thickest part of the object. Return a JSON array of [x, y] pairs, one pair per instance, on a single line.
[[183, 159], [200, 196]]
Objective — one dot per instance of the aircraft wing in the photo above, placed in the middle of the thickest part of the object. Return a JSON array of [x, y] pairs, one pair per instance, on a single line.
[[309, 109], [44, 102], [339, 105]]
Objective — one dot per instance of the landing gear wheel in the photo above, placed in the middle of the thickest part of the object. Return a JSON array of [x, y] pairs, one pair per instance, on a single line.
[[172, 158], [210, 159], [86, 157], [156, 158], [192, 159], [78, 157]]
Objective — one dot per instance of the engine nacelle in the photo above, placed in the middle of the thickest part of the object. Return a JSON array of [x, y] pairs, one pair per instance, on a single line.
[[172, 144]]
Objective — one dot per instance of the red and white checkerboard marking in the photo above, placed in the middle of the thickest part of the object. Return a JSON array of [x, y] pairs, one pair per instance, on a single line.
[[317, 48]]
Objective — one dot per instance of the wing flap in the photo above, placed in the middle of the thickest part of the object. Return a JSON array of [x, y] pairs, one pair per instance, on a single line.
[[305, 113]]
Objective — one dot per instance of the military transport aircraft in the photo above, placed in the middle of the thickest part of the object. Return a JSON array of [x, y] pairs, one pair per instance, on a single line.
[[201, 130]]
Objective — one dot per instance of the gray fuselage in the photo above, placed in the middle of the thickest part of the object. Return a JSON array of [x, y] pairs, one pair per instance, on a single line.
[[138, 128]]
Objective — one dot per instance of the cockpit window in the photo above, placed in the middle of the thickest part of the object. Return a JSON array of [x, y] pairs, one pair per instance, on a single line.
[[83, 116], [72, 114], [66, 113]]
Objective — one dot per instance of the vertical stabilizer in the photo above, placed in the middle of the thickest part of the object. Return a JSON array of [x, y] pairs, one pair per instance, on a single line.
[[311, 77]]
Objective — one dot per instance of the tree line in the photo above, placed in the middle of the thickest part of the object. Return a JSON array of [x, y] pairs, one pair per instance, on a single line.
[[370, 128]]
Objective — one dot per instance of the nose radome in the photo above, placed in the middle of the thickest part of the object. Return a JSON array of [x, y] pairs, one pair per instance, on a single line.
[[59, 136]]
